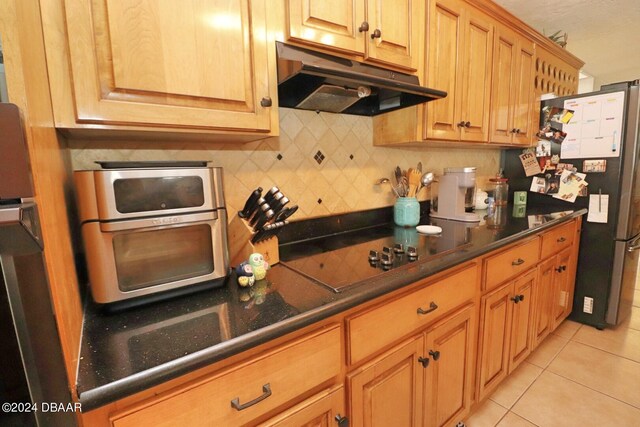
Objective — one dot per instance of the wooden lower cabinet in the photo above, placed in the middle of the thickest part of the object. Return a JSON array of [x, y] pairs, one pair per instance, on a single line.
[[505, 331], [556, 278], [322, 410], [389, 390], [449, 376], [544, 291], [246, 392], [562, 291], [424, 381]]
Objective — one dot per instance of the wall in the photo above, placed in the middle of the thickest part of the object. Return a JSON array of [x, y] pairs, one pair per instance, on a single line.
[[325, 162]]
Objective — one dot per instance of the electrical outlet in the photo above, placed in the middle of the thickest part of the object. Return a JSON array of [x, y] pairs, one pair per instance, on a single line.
[[588, 305]]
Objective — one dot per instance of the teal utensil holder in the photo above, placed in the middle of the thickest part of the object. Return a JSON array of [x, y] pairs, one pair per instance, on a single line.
[[406, 212]]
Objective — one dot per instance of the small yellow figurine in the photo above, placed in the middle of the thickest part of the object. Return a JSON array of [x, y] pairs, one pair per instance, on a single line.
[[258, 265]]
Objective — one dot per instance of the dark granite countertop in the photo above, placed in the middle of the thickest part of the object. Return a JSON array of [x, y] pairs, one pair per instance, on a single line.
[[124, 353]]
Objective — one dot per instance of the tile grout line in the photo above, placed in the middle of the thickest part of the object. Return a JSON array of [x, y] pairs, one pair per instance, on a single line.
[[607, 351], [536, 379], [597, 391]]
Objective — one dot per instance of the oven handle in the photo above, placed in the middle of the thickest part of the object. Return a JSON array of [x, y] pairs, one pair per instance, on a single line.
[[158, 221]]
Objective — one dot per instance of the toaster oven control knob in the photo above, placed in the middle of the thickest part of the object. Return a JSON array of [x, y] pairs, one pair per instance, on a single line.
[[412, 253], [398, 248], [373, 257]]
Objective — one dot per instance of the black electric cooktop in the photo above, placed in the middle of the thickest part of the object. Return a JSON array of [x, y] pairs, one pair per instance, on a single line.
[[352, 258]]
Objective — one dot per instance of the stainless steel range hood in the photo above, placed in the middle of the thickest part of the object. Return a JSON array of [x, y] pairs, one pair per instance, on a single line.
[[316, 81]]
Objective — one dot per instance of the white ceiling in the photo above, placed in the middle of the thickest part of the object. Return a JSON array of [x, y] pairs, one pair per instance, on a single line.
[[605, 34]]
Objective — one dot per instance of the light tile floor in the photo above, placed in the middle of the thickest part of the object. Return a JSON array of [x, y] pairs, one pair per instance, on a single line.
[[578, 376]]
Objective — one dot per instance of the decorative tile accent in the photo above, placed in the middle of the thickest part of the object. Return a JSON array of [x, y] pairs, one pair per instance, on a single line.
[[325, 156], [319, 157]]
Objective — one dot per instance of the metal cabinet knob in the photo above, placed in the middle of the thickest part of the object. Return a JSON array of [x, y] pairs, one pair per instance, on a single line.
[[424, 360], [342, 421], [434, 354], [363, 27], [376, 34], [266, 102], [517, 262], [467, 124]]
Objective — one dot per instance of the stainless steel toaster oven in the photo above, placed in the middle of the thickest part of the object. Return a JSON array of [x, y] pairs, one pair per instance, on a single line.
[[148, 230]]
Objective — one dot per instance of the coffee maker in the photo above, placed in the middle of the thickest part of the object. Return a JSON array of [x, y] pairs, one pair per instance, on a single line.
[[456, 191]]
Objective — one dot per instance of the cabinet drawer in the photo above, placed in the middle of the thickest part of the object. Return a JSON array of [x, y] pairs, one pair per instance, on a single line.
[[507, 264], [555, 240], [372, 330], [275, 377]]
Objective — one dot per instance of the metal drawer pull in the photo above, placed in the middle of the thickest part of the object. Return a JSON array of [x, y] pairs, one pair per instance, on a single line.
[[519, 261], [561, 239], [266, 392], [432, 307]]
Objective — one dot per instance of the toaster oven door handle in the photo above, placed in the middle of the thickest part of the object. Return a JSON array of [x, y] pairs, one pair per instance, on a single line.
[[158, 221]]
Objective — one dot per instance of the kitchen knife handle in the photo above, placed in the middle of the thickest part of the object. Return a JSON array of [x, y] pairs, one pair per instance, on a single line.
[[263, 220], [255, 209], [253, 198]]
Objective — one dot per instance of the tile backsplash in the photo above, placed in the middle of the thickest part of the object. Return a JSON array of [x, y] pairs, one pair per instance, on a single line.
[[325, 163]]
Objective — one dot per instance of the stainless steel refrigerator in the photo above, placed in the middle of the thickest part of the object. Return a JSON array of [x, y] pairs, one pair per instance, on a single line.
[[32, 370], [608, 260]]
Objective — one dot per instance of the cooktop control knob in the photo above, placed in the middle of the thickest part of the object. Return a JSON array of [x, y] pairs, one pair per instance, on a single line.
[[373, 256], [412, 253], [387, 250], [386, 260], [398, 248]]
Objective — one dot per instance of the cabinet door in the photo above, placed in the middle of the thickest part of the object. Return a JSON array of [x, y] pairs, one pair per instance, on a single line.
[[180, 64], [449, 345], [445, 68], [320, 410], [389, 390], [395, 32], [525, 93], [331, 23], [495, 331], [503, 85], [542, 311], [522, 300], [561, 301], [477, 59]]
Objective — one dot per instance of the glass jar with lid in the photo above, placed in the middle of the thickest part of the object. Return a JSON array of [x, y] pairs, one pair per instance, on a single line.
[[500, 188]]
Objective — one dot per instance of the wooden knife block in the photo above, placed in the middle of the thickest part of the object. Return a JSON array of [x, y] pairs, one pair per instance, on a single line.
[[240, 246]]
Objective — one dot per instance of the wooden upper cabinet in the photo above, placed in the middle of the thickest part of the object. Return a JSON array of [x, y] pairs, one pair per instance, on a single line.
[[459, 62], [178, 64], [512, 96], [387, 32], [333, 23]]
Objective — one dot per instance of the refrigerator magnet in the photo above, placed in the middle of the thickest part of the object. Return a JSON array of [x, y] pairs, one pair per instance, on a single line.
[[594, 166]]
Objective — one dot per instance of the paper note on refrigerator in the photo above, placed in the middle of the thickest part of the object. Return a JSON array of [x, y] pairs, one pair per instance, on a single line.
[[598, 208], [596, 128]]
